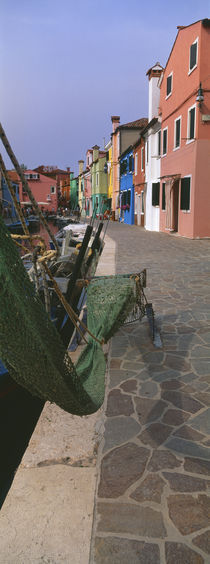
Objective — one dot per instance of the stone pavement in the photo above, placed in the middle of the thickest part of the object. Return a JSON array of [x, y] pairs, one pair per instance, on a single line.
[[152, 504]]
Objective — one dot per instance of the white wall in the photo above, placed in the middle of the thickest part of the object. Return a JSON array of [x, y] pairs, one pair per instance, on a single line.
[[152, 174]]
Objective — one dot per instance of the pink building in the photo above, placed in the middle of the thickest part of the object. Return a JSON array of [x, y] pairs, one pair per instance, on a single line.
[[185, 131], [43, 189]]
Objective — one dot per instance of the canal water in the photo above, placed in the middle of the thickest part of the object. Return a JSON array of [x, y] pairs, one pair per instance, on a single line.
[[44, 234]]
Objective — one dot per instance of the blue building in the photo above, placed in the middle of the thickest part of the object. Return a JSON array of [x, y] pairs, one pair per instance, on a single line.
[[127, 187], [8, 206]]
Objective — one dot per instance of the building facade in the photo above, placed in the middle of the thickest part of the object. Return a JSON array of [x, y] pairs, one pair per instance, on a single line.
[[139, 181], [127, 187], [152, 137], [98, 181], [123, 136], [44, 190], [185, 116]]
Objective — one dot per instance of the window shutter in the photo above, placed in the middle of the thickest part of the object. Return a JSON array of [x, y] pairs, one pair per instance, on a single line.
[[185, 194], [193, 55], [155, 193], [165, 141], [163, 196], [169, 82], [177, 132], [192, 123]]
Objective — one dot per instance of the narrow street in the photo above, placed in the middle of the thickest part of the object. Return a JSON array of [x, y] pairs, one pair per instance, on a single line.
[[152, 504]]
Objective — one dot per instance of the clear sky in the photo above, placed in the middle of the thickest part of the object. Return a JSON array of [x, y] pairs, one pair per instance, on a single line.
[[68, 65]]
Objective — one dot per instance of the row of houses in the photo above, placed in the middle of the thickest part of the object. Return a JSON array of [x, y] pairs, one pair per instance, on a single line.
[[155, 171], [50, 186]]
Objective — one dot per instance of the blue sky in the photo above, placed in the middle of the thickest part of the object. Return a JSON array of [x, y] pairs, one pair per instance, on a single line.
[[68, 65]]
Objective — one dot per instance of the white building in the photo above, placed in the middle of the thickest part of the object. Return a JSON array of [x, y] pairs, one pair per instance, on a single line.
[[153, 151]]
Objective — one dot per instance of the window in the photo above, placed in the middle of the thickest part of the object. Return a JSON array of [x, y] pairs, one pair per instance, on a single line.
[[142, 201], [155, 193], [185, 193], [165, 140], [147, 144], [163, 196], [52, 189], [142, 159], [191, 124], [123, 167], [193, 55], [136, 164], [159, 143], [169, 85], [97, 179], [130, 163], [177, 133]]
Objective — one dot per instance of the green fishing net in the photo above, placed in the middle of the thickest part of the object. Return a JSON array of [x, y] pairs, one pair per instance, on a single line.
[[31, 348]]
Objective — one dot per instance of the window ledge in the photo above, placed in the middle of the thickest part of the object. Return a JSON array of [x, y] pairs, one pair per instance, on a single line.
[[166, 98], [190, 141], [191, 70], [176, 148]]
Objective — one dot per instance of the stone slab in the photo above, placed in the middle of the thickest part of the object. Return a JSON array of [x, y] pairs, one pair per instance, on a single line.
[[44, 518]]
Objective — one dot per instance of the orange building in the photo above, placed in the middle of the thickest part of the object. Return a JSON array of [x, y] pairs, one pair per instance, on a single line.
[[185, 131]]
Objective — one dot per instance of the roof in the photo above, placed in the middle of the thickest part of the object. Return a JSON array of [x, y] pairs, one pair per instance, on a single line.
[[141, 122], [52, 172], [152, 122], [13, 176], [154, 67]]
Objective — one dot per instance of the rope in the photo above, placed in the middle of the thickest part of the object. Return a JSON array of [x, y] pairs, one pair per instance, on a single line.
[[71, 313]]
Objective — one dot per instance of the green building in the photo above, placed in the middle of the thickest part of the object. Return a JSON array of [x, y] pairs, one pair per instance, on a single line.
[[99, 190]]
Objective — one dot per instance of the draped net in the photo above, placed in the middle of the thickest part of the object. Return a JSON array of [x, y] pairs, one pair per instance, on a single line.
[[31, 347]]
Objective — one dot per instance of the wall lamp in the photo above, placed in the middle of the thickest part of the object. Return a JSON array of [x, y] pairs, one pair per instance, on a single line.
[[200, 96]]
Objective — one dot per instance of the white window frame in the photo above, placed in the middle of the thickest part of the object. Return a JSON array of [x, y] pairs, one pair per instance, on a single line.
[[192, 69], [136, 164], [52, 189], [168, 95], [188, 125], [97, 179], [177, 119], [142, 159], [164, 154]]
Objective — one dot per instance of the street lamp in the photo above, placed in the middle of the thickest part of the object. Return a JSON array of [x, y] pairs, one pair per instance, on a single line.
[[200, 96]]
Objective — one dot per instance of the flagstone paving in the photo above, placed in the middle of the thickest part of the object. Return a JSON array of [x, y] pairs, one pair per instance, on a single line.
[[152, 502]]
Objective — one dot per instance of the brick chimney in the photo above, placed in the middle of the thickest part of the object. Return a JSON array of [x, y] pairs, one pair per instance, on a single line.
[[81, 166], [68, 168], [95, 152], [115, 122]]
